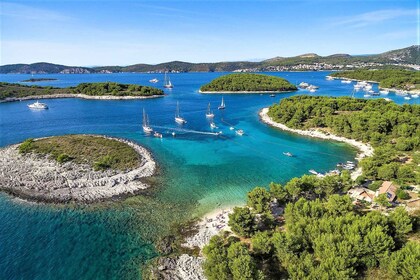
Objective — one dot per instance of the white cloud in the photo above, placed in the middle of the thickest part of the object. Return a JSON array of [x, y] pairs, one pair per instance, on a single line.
[[24, 12], [374, 17]]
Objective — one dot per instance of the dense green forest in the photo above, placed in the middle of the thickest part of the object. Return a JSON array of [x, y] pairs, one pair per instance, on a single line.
[[248, 82], [10, 90], [387, 78], [317, 238], [393, 130]]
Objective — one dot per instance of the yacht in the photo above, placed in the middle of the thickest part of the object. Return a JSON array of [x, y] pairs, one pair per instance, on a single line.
[[167, 83], [213, 125], [346, 81], [272, 95], [38, 105], [178, 117], [231, 128], [366, 95], [384, 91], [222, 105], [329, 78], [209, 113], [288, 154], [146, 127], [414, 95], [368, 87], [303, 85], [407, 98], [240, 132], [154, 81], [313, 172]]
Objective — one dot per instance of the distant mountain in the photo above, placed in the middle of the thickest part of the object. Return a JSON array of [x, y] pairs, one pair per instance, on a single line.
[[309, 61], [43, 68]]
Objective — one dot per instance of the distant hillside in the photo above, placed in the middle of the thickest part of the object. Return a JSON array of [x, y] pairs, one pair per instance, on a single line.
[[410, 55], [43, 68]]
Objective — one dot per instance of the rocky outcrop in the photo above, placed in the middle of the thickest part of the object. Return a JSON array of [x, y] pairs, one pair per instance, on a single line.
[[41, 178]]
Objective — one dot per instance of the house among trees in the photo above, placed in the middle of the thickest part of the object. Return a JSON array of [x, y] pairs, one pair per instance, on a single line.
[[389, 189], [362, 194]]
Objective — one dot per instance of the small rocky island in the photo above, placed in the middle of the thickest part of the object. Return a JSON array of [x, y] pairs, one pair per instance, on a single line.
[[33, 80], [248, 83], [74, 168]]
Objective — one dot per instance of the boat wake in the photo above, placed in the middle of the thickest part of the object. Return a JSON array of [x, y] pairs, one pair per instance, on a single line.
[[185, 130]]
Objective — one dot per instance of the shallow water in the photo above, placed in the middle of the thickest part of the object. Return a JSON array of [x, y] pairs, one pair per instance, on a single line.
[[197, 171]]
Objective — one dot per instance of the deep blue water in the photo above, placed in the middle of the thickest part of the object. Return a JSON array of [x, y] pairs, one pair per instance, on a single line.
[[198, 171]]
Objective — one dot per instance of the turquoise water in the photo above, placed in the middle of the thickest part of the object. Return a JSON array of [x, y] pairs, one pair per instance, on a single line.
[[197, 172]]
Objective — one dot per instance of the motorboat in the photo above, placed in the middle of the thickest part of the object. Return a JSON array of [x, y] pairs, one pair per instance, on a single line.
[[288, 154], [213, 125], [38, 105], [154, 81], [240, 132]]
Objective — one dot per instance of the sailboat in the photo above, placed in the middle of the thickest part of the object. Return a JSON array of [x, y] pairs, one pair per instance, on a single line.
[[167, 83], [222, 105], [209, 113], [146, 128], [178, 117]]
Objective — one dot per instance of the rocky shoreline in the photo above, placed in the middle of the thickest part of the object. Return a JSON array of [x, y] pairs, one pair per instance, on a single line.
[[82, 96], [187, 266], [243, 92], [42, 179]]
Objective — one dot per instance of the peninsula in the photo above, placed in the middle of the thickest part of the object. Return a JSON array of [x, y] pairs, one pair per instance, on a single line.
[[33, 80], [393, 79], [74, 168], [107, 90], [248, 83]]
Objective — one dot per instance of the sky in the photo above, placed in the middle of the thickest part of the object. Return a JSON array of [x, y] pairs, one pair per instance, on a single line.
[[126, 32]]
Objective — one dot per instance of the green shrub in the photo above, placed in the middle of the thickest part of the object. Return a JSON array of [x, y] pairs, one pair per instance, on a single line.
[[63, 158], [104, 162], [26, 146]]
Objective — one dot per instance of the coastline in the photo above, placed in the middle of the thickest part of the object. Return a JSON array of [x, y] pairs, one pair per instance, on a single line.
[[41, 179], [415, 91], [82, 96], [244, 92], [365, 150]]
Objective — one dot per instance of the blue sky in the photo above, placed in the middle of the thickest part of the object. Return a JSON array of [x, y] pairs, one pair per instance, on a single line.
[[125, 32]]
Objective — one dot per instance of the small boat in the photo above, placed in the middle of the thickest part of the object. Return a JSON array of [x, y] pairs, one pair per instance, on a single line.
[[272, 95], [366, 95], [415, 96], [38, 105], [303, 85], [146, 127], [240, 132], [209, 113], [368, 87], [388, 99], [288, 154], [384, 91], [231, 128], [173, 134], [346, 81], [312, 90], [222, 105], [178, 118], [313, 172], [157, 134], [329, 78], [167, 83], [371, 91], [154, 81], [407, 98], [213, 125]]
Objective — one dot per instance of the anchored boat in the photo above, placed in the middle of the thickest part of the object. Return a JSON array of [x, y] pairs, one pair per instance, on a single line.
[[146, 127], [38, 105], [178, 118]]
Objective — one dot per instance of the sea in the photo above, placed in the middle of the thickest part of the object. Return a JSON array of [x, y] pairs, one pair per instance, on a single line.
[[198, 171]]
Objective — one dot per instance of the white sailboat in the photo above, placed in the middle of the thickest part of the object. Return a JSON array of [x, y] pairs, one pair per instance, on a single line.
[[222, 105], [209, 113], [178, 118], [146, 127], [167, 83], [38, 105]]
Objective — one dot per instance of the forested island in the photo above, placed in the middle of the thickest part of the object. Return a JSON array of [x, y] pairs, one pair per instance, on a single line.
[[387, 78], [106, 90], [247, 83], [74, 168], [33, 80], [392, 130]]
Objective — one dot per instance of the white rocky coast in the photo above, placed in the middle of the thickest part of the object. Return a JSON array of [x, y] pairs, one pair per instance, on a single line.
[[40, 178]]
